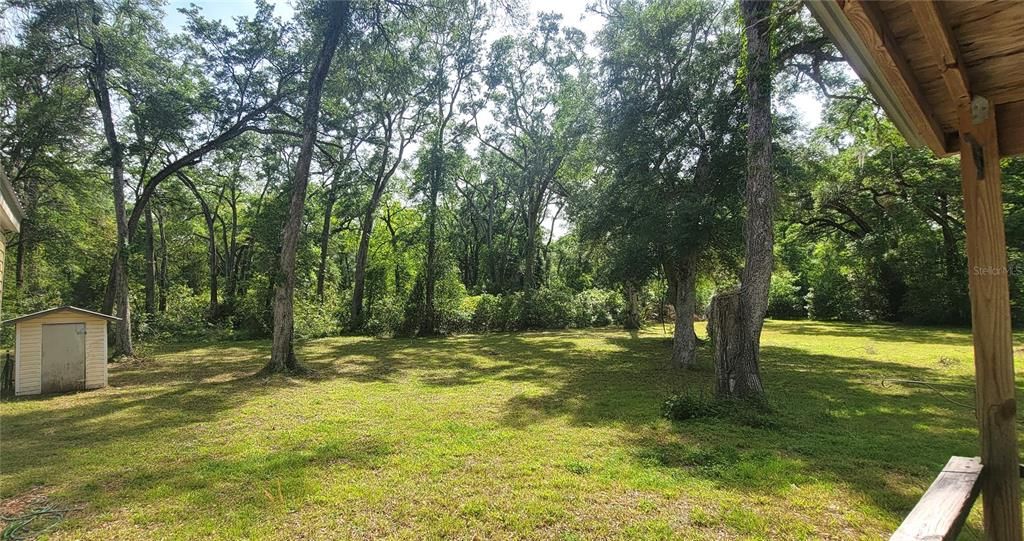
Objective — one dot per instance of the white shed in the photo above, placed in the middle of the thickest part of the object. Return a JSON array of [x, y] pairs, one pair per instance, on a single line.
[[58, 350]]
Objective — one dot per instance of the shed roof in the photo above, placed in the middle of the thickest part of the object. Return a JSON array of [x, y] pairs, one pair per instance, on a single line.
[[921, 57], [49, 311]]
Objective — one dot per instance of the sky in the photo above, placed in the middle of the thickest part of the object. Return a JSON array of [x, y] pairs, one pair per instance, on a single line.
[[574, 12]]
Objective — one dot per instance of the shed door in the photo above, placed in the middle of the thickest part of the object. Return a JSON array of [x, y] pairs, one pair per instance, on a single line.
[[63, 357]]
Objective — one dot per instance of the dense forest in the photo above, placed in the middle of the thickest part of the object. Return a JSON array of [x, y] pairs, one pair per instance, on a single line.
[[454, 166]]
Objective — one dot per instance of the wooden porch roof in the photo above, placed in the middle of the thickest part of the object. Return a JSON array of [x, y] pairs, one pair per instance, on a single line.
[[920, 58]]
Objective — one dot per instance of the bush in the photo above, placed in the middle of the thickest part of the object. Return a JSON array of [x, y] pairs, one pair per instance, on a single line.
[[385, 317], [547, 308], [544, 308], [597, 308], [685, 406], [784, 300], [185, 317], [252, 315], [832, 295], [449, 316], [315, 318], [680, 407]]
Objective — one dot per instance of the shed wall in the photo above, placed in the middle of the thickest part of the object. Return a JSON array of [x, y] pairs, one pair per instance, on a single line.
[[29, 351]]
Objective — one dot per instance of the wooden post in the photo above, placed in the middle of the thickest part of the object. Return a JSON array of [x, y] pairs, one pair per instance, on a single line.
[[990, 318]]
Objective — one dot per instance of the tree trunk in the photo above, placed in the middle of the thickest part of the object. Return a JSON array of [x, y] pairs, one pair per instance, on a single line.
[[211, 247], [427, 324], [684, 339], [150, 253], [723, 329], [632, 322], [743, 364], [162, 300], [530, 258], [231, 261], [282, 352], [118, 284], [362, 259], [325, 239]]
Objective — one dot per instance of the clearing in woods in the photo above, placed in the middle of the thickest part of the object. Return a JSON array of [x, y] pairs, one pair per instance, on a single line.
[[554, 435]]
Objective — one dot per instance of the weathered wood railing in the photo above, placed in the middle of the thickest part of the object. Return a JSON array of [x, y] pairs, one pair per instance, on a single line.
[[942, 510]]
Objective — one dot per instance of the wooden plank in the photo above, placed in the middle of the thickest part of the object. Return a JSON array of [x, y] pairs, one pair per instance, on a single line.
[[882, 46], [942, 510], [990, 318], [944, 49], [1010, 125]]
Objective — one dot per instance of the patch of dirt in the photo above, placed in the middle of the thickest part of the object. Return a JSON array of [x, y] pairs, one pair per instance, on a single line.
[[17, 505]]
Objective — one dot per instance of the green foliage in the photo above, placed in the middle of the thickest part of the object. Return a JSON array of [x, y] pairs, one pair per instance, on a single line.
[[784, 299], [547, 308], [315, 318], [186, 317], [385, 317], [701, 405], [597, 308]]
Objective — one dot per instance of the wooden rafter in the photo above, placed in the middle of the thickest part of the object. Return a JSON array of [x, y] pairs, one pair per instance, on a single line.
[[1010, 124], [873, 31], [944, 47]]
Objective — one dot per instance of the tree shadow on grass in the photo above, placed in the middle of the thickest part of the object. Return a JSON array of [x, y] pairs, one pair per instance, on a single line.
[[835, 420], [161, 394], [883, 332]]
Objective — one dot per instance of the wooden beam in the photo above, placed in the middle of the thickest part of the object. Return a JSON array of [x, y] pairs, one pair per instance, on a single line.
[[1010, 124], [1010, 127], [990, 318], [869, 24], [944, 47], [941, 512]]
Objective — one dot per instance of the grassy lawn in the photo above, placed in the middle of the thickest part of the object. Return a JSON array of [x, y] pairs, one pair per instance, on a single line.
[[553, 435]]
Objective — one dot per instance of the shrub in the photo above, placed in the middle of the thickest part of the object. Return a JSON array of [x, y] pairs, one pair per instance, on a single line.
[[252, 314], [831, 295], [685, 406], [784, 300], [449, 317], [597, 308], [485, 310], [509, 316], [548, 308], [386, 317], [315, 318], [185, 317]]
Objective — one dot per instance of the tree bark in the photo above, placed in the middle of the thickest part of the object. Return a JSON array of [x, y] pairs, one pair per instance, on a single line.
[[743, 368], [213, 309], [162, 298], [723, 323], [684, 339], [325, 239], [427, 324], [358, 316], [530, 257], [632, 322], [150, 254], [118, 284], [282, 352]]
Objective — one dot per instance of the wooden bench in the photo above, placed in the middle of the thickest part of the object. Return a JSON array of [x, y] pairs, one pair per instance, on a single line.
[[941, 512]]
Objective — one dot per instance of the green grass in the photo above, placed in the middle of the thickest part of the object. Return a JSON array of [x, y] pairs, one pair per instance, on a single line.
[[553, 435]]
